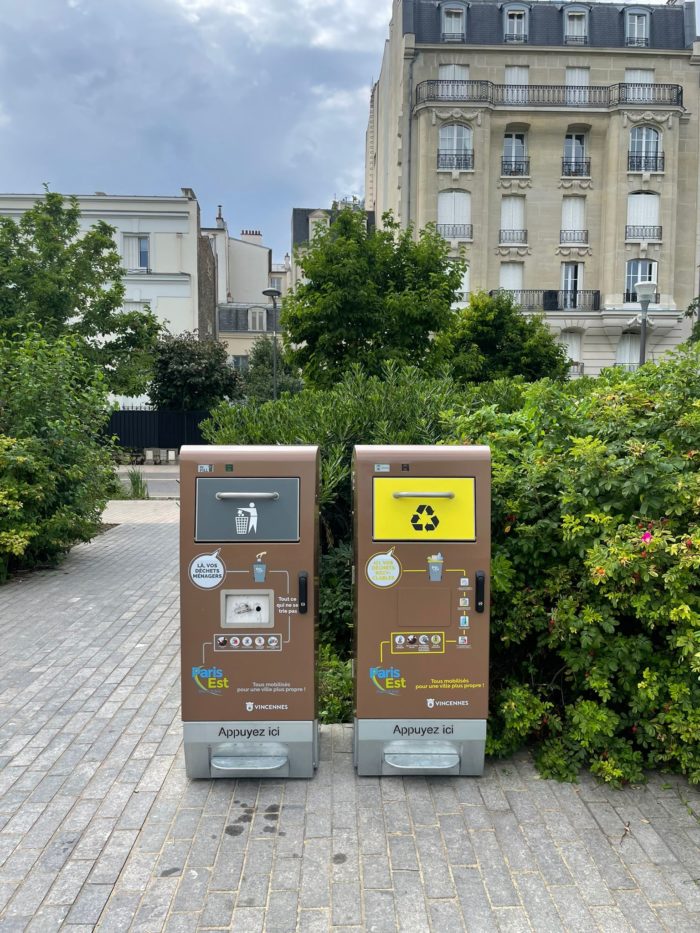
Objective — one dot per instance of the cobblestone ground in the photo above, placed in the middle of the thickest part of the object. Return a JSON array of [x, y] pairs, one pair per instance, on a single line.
[[100, 829]]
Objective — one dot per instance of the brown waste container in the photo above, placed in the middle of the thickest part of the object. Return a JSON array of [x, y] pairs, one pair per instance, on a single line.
[[249, 606], [422, 561]]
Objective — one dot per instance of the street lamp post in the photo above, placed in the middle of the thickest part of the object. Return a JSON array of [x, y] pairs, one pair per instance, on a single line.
[[273, 293], [645, 292]]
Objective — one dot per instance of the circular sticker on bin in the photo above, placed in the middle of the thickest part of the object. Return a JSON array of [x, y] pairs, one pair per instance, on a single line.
[[383, 569], [207, 571]]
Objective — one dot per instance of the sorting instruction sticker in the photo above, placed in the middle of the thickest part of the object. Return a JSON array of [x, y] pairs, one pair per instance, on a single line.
[[207, 570]]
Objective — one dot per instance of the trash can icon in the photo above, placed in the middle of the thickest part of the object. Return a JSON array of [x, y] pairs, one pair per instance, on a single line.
[[435, 567], [241, 523]]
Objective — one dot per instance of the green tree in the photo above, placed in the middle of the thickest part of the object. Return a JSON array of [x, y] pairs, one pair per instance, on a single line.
[[191, 374], [258, 380], [62, 281], [370, 296], [693, 312], [491, 339], [56, 468]]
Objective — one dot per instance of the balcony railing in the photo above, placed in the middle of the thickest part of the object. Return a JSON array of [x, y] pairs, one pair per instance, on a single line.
[[575, 168], [637, 42], [550, 95], [460, 159], [517, 38], [453, 37], [632, 296], [535, 299], [507, 237], [635, 232], [573, 236], [570, 39], [455, 231], [575, 368], [645, 163], [512, 167]]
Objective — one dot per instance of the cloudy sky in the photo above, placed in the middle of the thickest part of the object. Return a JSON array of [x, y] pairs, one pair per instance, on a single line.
[[259, 105]]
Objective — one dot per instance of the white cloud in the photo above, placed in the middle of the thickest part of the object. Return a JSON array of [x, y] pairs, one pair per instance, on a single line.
[[323, 24]]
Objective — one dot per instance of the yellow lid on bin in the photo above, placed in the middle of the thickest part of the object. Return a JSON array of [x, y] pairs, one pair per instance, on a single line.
[[421, 508]]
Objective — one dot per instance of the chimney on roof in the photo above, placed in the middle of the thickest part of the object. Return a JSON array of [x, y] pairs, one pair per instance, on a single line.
[[220, 222], [252, 236]]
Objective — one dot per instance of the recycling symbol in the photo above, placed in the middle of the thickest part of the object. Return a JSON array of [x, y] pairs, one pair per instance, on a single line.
[[424, 518]]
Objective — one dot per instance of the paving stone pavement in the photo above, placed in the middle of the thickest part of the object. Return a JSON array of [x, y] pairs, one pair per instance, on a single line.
[[101, 830]]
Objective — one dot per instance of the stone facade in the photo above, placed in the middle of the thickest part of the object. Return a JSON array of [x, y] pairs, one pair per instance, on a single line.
[[561, 159]]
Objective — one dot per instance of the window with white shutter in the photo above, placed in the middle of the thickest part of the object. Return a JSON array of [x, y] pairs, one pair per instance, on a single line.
[[512, 220], [577, 81], [454, 215], [573, 220], [643, 216], [511, 276]]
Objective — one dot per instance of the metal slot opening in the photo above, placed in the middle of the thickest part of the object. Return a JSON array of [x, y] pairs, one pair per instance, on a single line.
[[426, 757]]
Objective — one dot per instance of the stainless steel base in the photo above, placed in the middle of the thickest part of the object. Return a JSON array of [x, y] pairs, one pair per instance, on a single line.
[[419, 746], [266, 749]]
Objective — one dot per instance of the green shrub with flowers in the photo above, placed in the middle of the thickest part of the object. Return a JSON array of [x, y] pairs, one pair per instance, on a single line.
[[596, 570]]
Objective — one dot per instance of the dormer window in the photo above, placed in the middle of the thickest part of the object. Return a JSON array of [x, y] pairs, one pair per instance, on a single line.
[[637, 28], [576, 27], [515, 24], [454, 23]]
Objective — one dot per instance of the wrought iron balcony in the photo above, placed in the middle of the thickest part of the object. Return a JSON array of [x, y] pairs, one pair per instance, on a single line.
[[459, 159], [575, 368], [595, 97], [506, 237], [575, 168], [632, 296], [513, 167], [645, 163], [634, 232], [455, 231], [535, 299], [573, 236], [454, 37], [516, 38], [637, 42], [570, 39]]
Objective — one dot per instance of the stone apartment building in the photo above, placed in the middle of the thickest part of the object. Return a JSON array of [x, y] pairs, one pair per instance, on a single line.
[[555, 145], [158, 238], [244, 271]]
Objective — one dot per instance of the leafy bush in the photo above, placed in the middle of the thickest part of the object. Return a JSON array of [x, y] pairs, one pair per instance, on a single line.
[[596, 554], [55, 474], [335, 689]]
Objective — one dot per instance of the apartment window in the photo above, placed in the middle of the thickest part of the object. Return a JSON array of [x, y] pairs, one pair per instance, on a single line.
[[511, 276], [645, 153], [452, 78], [573, 221], [637, 28], [571, 340], [136, 252], [513, 229], [516, 90], [639, 86], [575, 163], [576, 27], [577, 81], [455, 147], [515, 24], [627, 352], [453, 23], [639, 270], [643, 217], [571, 283], [515, 160], [318, 223], [257, 319], [239, 363], [276, 282], [454, 215]]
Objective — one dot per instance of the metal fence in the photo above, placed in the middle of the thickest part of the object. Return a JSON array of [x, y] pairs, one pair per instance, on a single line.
[[142, 428]]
